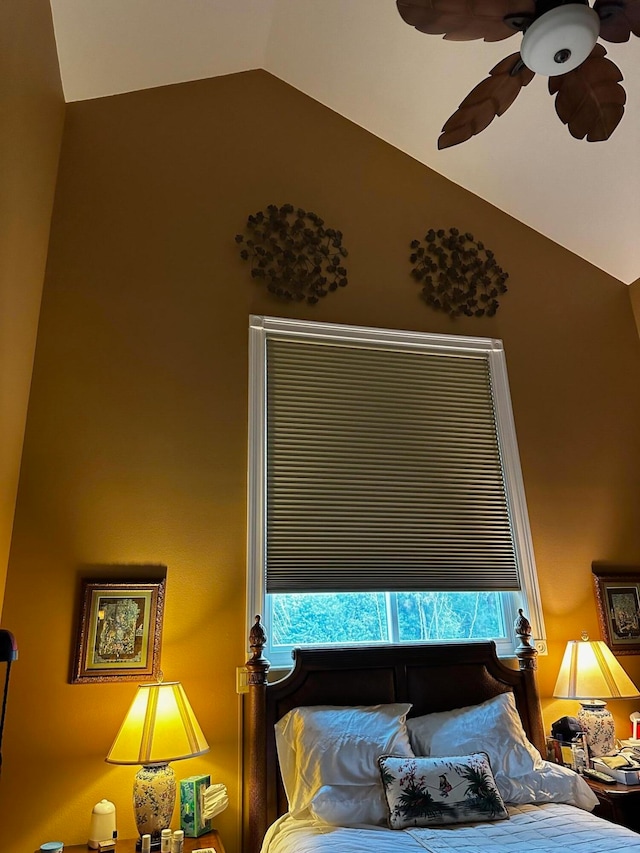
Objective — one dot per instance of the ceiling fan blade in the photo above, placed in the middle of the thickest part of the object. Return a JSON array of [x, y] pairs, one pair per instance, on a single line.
[[464, 20], [590, 99], [490, 98], [618, 19]]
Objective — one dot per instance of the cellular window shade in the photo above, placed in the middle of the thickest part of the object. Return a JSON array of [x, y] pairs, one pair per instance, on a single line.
[[383, 472]]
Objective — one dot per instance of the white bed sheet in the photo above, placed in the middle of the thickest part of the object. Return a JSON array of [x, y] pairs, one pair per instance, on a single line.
[[549, 828]]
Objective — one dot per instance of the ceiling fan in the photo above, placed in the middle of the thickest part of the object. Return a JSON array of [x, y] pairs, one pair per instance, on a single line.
[[559, 41]]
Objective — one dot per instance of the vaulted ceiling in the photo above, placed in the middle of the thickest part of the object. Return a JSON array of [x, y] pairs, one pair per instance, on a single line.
[[360, 59]]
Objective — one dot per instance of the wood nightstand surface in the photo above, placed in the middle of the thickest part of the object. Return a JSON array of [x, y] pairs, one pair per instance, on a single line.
[[618, 803], [128, 845]]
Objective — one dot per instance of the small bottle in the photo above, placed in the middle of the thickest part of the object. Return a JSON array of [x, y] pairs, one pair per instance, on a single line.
[[146, 843], [579, 757], [165, 841], [177, 841]]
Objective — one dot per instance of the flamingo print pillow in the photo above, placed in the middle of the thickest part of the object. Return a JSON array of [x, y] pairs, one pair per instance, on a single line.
[[435, 791]]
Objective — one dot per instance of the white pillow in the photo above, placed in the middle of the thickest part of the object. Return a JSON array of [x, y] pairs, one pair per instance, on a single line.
[[349, 805], [324, 749], [493, 727], [552, 783]]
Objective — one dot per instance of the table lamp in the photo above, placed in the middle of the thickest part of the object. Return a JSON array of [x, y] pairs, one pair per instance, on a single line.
[[159, 727], [590, 673]]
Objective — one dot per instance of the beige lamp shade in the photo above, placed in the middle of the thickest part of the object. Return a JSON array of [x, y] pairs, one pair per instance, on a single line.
[[159, 727], [589, 670]]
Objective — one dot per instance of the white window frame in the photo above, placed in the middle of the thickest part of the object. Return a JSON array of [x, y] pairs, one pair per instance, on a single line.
[[260, 328]]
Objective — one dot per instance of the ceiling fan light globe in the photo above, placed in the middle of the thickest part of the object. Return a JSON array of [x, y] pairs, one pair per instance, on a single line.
[[560, 40]]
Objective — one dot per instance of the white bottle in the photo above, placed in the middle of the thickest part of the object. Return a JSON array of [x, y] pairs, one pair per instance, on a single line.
[[579, 758], [165, 841], [177, 842]]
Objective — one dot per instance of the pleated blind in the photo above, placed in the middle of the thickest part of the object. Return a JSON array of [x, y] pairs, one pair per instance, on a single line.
[[383, 472]]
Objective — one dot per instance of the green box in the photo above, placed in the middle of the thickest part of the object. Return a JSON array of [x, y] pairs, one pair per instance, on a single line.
[[191, 804]]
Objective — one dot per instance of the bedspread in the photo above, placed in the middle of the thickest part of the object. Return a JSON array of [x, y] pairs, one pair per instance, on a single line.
[[549, 828]]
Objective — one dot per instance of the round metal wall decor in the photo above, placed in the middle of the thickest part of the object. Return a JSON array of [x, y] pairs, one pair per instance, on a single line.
[[293, 252], [458, 274]]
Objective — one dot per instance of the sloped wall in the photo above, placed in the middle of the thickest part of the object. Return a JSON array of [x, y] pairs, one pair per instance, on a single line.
[[634, 293], [135, 449], [30, 137]]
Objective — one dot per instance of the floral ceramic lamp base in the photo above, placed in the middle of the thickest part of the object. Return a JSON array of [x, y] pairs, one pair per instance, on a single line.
[[154, 798], [597, 721]]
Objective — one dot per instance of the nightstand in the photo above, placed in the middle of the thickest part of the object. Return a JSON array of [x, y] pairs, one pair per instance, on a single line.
[[128, 845], [618, 803]]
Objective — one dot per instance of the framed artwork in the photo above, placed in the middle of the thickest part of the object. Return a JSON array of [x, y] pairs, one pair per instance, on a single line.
[[618, 603], [119, 631]]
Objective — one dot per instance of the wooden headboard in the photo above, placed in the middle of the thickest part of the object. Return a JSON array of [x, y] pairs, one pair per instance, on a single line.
[[432, 677]]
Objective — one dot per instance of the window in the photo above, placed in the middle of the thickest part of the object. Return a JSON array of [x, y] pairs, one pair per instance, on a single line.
[[386, 501]]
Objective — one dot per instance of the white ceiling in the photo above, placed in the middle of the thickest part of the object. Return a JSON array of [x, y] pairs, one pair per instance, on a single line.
[[360, 59]]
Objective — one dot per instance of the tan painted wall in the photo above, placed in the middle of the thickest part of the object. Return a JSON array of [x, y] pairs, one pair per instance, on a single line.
[[30, 136], [135, 449]]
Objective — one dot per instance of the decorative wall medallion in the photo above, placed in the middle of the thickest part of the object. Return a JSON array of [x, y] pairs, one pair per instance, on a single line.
[[458, 274], [294, 253]]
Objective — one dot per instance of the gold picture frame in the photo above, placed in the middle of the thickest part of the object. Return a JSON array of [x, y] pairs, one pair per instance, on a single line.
[[119, 631], [617, 590]]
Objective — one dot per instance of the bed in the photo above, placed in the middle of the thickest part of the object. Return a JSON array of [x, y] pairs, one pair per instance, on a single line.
[[388, 699]]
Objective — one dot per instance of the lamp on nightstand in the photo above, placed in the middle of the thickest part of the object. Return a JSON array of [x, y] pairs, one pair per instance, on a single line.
[[590, 673], [160, 727]]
